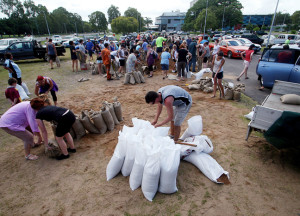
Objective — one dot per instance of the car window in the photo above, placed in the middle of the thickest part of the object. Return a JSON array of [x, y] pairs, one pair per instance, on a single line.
[[16, 46], [292, 37], [27, 45], [280, 56], [298, 61], [223, 43], [3, 42], [233, 43]]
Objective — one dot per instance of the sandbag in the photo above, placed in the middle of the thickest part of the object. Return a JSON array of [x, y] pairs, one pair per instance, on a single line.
[[24, 86], [196, 81], [112, 112], [229, 94], [54, 149], [132, 80], [22, 93], [118, 110], [237, 96], [136, 77], [136, 175], [170, 159], [141, 77], [78, 129], [290, 99], [194, 87], [195, 125], [127, 78], [204, 144], [131, 143], [108, 119], [151, 176], [72, 133], [249, 115], [116, 162], [208, 89], [99, 123], [87, 124], [199, 74], [207, 165]]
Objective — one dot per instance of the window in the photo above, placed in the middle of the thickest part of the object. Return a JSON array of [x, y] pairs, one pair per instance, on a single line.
[[16, 46], [298, 61], [233, 43], [169, 21], [279, 55], [223, 43], [27, 45]]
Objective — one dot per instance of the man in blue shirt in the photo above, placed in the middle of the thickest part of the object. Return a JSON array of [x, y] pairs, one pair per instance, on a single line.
[[192, 49], [189, 41], [205, 39], [89, 47]]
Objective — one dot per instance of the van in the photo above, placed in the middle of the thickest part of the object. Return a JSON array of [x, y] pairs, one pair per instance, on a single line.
[[283, 37]]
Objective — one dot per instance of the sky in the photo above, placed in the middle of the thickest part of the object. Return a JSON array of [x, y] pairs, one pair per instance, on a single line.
[[155, 8]]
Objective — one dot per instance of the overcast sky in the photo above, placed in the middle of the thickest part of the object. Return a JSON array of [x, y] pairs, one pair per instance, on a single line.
[[155, 8]]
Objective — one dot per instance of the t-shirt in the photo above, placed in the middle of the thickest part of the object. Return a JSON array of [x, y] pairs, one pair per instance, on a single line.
[[207, 54], [106, 42], [73, 54], [182, 53], [216, 49], [81, 48], [50, 113], [159, 41], [130, 63], [121, 54], [12, 93], [89, 45], [165, 56], [248, 54], [180, 95], [203, 41], [193, 48], [287, 41], [137, 47], [105, 56], [144, 45], [189, 41], [15, 68]]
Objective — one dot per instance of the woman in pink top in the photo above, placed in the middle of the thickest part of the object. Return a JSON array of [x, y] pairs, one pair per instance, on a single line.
[[15, 120], [247, 59]]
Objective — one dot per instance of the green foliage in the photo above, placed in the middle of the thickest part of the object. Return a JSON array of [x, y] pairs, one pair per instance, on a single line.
[[296, 18], [98, 21], [211, 20], [256, 28], [249, 27], [148, 21], [113, 12], [124, 24], [293, 31], [132, 12], [282, 18]]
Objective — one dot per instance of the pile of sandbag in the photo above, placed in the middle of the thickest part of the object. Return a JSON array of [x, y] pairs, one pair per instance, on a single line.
[[199, 75], [233, 92], [149, 156], [135, 77], [203, 84], [95, 69]]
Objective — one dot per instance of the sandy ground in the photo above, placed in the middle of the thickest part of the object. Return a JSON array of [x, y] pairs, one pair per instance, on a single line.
[[262, 183]]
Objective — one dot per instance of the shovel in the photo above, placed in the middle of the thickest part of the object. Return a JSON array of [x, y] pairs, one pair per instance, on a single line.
[[188, 144]]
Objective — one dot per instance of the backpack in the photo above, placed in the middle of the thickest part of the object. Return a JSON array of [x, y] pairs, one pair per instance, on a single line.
[[155, 55]]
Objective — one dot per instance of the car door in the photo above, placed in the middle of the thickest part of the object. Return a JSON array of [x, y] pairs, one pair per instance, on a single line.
[[223, 47], [27, 50], [295, 73], [16, 49]]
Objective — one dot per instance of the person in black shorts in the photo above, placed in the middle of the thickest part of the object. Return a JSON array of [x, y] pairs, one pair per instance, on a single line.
[[121, 55], [64, 119], [73, 56], [217, 65]]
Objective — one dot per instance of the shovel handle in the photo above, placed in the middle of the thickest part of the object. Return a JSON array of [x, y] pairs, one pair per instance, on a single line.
[[188, 144]]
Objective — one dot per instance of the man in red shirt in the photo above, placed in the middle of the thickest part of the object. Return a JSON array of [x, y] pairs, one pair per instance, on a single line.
[[11, 93], [105, 54]]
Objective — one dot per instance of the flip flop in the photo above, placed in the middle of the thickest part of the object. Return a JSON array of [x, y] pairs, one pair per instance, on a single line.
[[35, 145], [31, 157]]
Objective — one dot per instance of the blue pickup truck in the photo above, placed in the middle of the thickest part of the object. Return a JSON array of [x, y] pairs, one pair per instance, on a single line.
[[277, 63]]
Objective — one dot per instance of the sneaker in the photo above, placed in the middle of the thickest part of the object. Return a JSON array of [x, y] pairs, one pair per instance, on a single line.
[[62, 157], [71, 150]]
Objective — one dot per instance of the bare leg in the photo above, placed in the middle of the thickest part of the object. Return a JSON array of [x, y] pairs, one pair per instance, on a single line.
[[221, 87], [215, 86], [73, 65], [76, 62], [51, 63], [177, 130], [62, 145], [172, 128], [244, 71], [70, 140]]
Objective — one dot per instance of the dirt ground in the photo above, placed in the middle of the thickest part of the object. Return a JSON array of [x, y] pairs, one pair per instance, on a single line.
[[262, 182]]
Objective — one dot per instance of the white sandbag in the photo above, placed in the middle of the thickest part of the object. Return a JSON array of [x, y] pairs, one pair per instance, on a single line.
[[24, 86], [189, 74], [204, 144], [136, 175], [249, 115], [207, 165], [116, 162], [151, 176], [231, 85], [131, 142], [160, 131], [195, 125], [198, 75], [185, 135], [22, 93], [169, 163]]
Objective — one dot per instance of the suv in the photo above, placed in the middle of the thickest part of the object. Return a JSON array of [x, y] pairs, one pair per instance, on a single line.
[[283, 37], [253, 38], [4, 43]]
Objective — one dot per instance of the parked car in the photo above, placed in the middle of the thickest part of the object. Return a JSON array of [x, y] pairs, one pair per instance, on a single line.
[[247, 43], [261, 32], [28, 50], [265, 38], [283, 37], [216, 36], [254, 38], [4, 43], [279, 64], [57, 40], [226, 37], [74, 39], [28, 38], [231, 48]]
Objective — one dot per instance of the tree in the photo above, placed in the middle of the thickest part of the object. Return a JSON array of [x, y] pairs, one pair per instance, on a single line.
[[124, 24], [113, 12], [211, 22], [283, 18], [296, 18], [8, 6], [98, 21], [148, 21], [249, 27], [132, 12]]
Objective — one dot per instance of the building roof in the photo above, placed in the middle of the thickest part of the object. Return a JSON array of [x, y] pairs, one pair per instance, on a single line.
[[174, 13]]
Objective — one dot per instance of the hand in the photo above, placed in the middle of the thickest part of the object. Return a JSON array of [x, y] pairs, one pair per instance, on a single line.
[[154, 122]]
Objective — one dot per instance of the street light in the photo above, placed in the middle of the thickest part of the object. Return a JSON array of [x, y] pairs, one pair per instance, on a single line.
[[223, 17], [47, 23], [205, 18], [272, 24]]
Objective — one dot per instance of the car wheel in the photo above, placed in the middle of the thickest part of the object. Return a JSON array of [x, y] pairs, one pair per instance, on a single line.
[[2, 60], [229, 54]]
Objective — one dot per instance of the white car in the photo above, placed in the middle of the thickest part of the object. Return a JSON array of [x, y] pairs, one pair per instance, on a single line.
[[271, 41], [283, 37], [57, 40], [4, 43], [247, 42]]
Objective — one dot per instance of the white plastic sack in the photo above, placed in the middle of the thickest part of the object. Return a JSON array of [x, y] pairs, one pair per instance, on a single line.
[[198, 75], [250, 114], [195, 125], [116, 162], [22, 93], [136, 175], [24, 86], [169, 163], [203, 143], [231, 85], [189, 74], [131, 143], [207, 165], [151, 176], [160, 131]]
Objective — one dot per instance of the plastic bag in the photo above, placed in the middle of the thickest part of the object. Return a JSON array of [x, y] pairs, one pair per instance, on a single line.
[[249, 115], [195, 125], [136, 175], [203, 143], [24, 86], [207, 165], [22, 93], [131, 143], [160, 131]]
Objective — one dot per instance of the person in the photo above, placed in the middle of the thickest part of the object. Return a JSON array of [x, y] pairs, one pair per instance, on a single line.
[[193, 50], [132, 62], [81, 46], [216, 49], [15, 121], [105, 54], [178, 103], [174, 54], [205, 55], [44, 85], [113, 46], [159, 44], [165, 56], [151, 55], [73, 56], [90, 47], [217, 64], [11, 93], [182, 60], [287, 42], [106, 41], [177, 44], [99, 62], [64, 119], [121, 56], [101, 45], [286, 56], [189, 41], [247, 59], [199, 56], [51, 51], [205, 39], [14, 71]]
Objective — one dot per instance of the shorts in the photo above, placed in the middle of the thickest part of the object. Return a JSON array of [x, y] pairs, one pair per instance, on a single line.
[[99, 61], [164, 67], [174, 60], [65, 124], [205, 59], [246, 63], [122, 62], [52, 57], [159, 49], [219, 75], [74, 57], [180, 112], [90, 53], [150, 68]]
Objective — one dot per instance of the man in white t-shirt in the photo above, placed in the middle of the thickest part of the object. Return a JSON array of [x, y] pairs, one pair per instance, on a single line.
[[106, 41], [132, 62], [121, 55]]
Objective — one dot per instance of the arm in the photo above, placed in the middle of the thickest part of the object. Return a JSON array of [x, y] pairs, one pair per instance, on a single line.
[[251, 56], [36, 90], [44, 131], [159, 109], [242, 55], [169, 105], [51, 86], [204, 53], [222, 63], [9, 70]]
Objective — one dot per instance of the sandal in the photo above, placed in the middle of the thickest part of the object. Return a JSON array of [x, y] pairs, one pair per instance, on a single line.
[[31, 157], [213, 96], [35, 145]]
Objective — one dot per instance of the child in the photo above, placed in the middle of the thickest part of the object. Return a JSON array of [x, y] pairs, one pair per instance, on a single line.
[[165, 56], [11, 93], [174, 57]]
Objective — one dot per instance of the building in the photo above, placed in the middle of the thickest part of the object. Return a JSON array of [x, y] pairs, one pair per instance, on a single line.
[[192, 3], [170, 21], [259, 20]]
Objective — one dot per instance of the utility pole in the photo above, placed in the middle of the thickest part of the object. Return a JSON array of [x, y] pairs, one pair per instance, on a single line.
[[37, 26], [223, 17], [272, 24], [205, 18], [76, 28], [47, 23]]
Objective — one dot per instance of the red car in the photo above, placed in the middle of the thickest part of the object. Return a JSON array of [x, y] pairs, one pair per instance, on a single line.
[[231, 48]]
